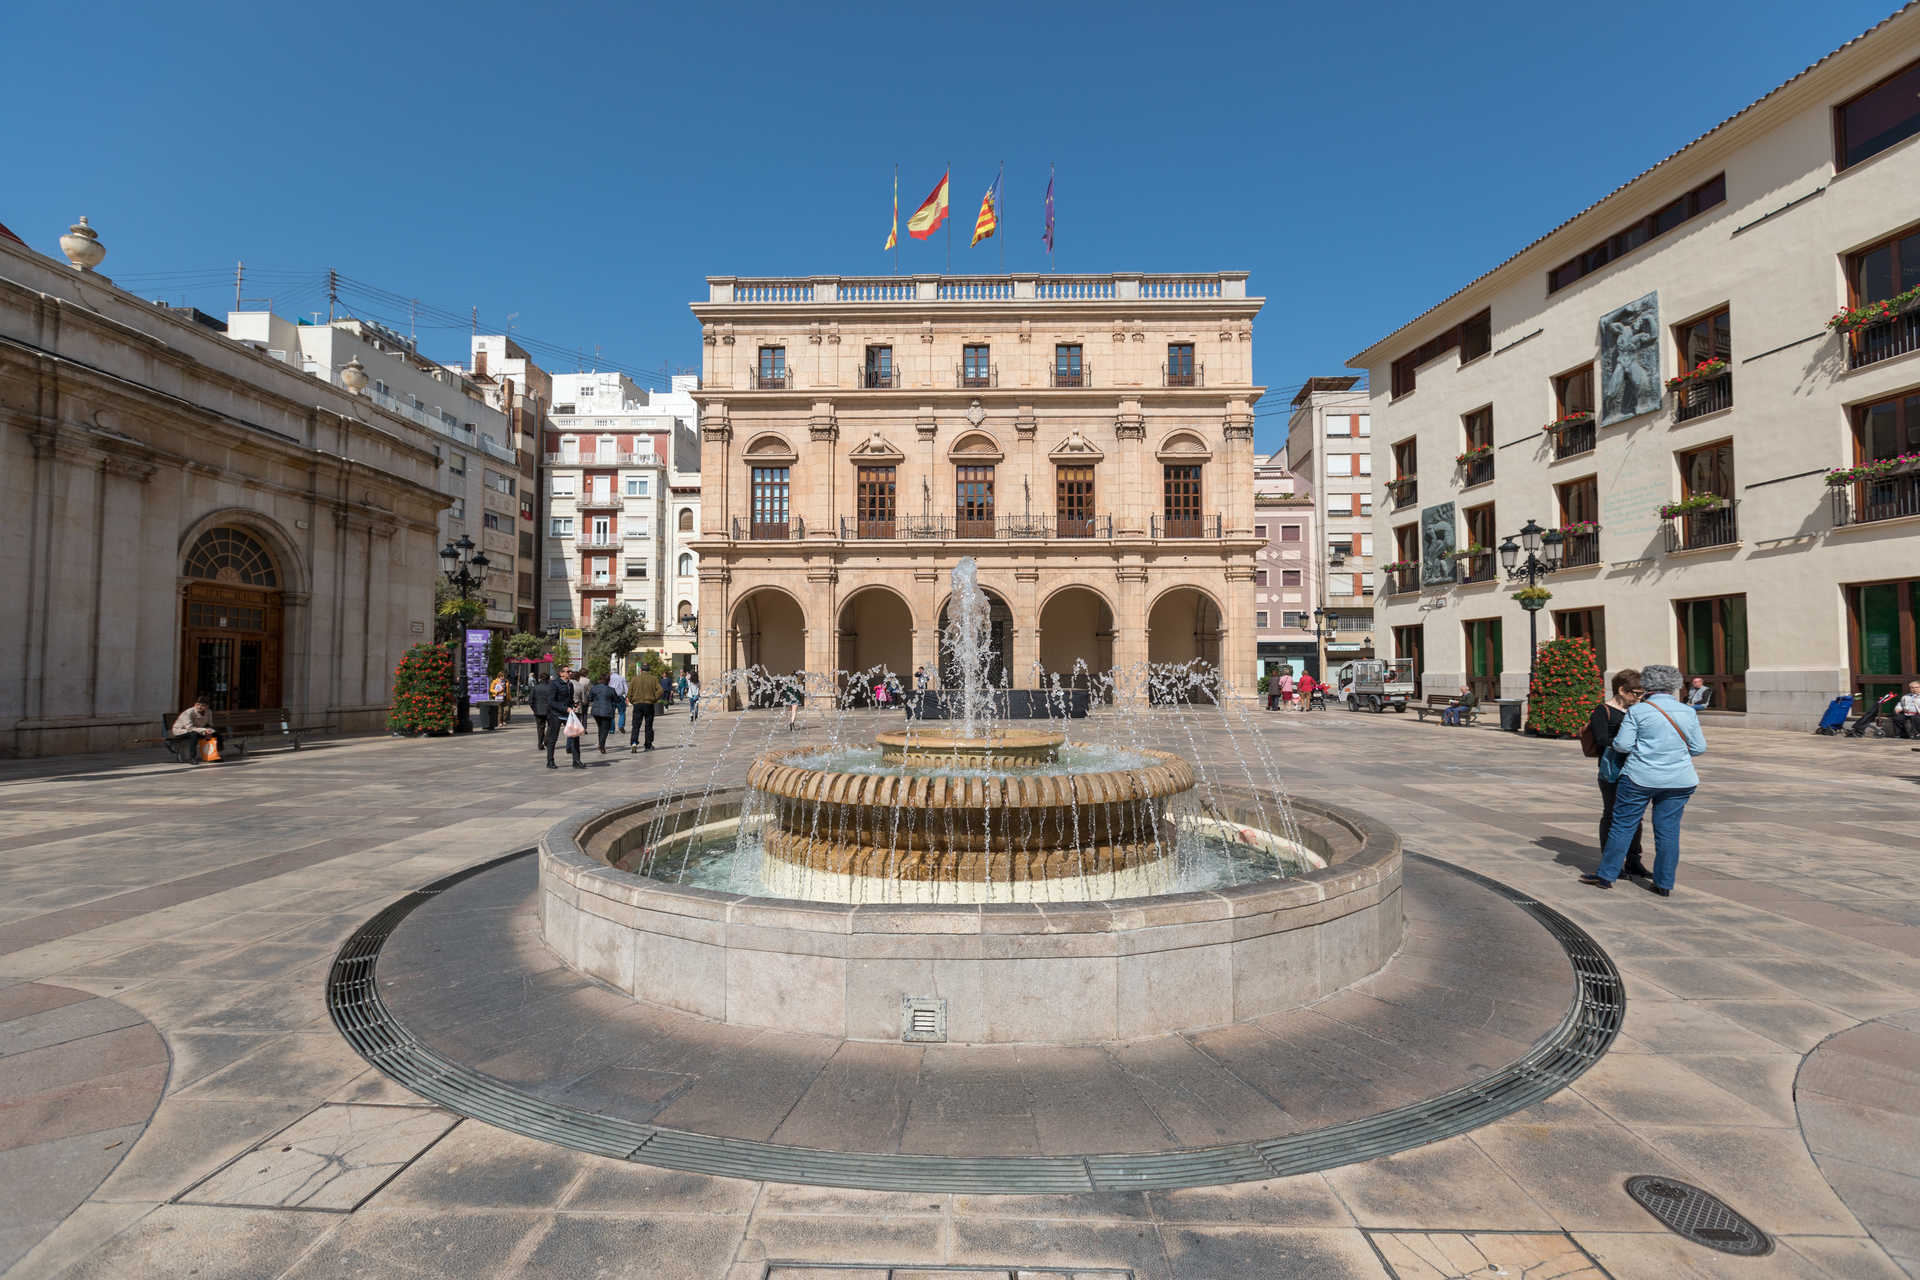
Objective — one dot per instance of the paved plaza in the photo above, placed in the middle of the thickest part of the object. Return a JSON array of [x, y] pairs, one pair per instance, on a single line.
[[174, 1099]]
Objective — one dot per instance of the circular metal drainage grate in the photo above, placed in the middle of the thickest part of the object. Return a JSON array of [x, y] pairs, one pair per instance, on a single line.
[[1700, 1216], [1587, 1030]]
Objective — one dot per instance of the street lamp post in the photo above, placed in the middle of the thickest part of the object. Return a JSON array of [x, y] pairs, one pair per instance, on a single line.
[[1324, 624], [1543, 548], [465, 569]]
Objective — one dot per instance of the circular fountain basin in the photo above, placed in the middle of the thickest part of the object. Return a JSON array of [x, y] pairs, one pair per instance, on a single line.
[[943, 746], [996, 972]]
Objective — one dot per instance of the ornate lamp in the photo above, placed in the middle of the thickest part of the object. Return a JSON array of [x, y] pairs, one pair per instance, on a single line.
[[1509, 553], [1555, 544]]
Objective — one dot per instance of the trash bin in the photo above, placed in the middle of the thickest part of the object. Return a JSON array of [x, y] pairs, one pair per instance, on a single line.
[[488, 714], [1512, 712]]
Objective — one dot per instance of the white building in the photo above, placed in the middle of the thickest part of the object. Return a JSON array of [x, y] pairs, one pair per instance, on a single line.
[[479, 469], [620, 505], [1330, 448], [1702, 525], [1286, 569]]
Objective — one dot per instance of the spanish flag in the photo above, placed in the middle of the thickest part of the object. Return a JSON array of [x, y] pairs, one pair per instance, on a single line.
[[893, 236], [927, 218], [989, 219]]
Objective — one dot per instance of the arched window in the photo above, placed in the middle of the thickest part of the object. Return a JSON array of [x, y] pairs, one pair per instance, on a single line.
[[232, 556], [686, 519], [686, 564], [684, 613]]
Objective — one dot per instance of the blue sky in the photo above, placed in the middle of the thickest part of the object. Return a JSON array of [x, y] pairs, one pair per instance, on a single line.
[[585, 166]]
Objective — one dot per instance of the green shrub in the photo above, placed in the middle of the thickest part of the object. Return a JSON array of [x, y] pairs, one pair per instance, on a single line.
[[1566, 683], [423, 691]]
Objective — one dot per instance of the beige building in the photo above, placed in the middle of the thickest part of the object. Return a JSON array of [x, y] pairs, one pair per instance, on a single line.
[[1330, 447], [1700, 525], [192, 515], [1088, 439]]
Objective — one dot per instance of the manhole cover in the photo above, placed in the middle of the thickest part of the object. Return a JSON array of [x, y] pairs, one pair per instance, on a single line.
[[1698, 1215]]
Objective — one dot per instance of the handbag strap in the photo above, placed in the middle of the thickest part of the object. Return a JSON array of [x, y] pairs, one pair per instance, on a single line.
[[1666, 717]]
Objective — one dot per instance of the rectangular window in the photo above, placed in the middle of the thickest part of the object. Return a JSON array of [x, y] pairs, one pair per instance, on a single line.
[[873, 502], [1584, 624], [1708, 338], [973, 501], [1260, 619], [458, 511], [1579, 505], [1476, 336], [1363, 424], [878, 370], [1259, 577], [1573, 392], [976, 366], [560, 610], [773, 367], [493, 520], [1181, 500], [1289, 577], [1406, 545], [1289, 533], [456, 463], [636, 569], [1366, 544], [560, 526], [1260, 532], [1707, 471], [1868, 124], [562, 486], [1475, 333], [1073, 501], [1483, 657], [1477, 427], [1884, 270], [1339, 464], [1337, 426], [1883, 630], [636, 486], [1410, 647], [602, 529], [1366, 463], [1180, 365], [1685, 208], [1296, 620], [1067, 368], [769, 499], [1713, 645], [497, 482], [556, 566]]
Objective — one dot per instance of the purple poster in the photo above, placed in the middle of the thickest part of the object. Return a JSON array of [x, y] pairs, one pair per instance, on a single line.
[[477, 641]]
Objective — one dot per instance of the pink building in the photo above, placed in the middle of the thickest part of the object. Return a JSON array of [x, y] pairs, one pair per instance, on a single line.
[[1284, 568]]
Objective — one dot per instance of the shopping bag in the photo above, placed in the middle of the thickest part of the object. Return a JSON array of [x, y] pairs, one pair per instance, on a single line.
[[210, 750], [573, 728]]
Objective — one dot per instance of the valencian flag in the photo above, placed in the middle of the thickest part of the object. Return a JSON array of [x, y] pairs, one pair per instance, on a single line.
[[932, 212], [893, 236], [989, 219], [1047, 235]]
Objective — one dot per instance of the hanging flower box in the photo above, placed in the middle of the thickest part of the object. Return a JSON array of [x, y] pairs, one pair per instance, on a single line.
[[1853, 319], [1578, 418], [1402, 482], [1471, 553], [1474, 454], [1399, 566], [1878, 469], [1532, 599], [1696, 505], [1705, 371], [1579, 527]]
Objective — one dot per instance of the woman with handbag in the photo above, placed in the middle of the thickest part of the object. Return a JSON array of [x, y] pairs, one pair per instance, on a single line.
[[1659, 735], [1603, 726]]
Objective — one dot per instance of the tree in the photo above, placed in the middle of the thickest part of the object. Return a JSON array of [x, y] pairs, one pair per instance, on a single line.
[[616, 631], [652, 661], [562, 655], [1565, 685], [452, 615], [423, 691], [526, 646], [497, 654]]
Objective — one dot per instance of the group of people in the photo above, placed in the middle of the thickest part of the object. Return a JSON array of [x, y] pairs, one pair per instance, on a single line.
[[1646, 738], [1297, 692], [570, 693]]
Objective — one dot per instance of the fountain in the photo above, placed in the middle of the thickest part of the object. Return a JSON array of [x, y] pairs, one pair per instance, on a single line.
[[1024, 884]]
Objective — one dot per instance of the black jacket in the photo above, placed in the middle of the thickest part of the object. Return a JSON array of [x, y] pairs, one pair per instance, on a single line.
[[559, 698], [539, 696], [603, 700]]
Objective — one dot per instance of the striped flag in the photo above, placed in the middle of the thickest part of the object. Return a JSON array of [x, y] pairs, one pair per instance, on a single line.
[[893, 236], [932, 212], [989, 220], [1047, 235]]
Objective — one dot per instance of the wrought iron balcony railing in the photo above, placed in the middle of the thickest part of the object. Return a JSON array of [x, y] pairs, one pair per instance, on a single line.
[[1159, 526], [1477, 471], [880, 379], [1703, 396], [976, 376], [760, 381], [1574, 439], [1404, 491], [1719, 527], [769, 530], [1869, 501], [1184, 377], [1580, 549], [1080, 375], [1883, 341], [1478, 568]]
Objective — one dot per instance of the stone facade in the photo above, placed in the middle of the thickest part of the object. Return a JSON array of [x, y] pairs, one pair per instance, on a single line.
[[1088, 439], [1781, 590], [168, 484]]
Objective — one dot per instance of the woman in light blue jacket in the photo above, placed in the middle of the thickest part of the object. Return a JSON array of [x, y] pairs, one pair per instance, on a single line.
[[1659, 736]]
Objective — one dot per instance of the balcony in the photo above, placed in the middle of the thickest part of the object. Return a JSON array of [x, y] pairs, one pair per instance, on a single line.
[[598, 502], [880, 379], [1184, 377], [769, 531], [1404, 582], [597, 542], [1011, 528], [1891, 497], [1578, 550], [1702, 396], [1699, 530], [778, 381], [1571, 439], [1472, 569], [1405, 492], [970, 291], [976, 376], [1080, 375], [1159, 526], [1883, 341]]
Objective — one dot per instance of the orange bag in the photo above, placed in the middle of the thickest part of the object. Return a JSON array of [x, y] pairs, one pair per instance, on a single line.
[[210, 750]]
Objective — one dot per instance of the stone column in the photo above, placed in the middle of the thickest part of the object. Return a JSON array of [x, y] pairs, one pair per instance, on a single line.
[[1132, 496], [1232, 491], [926, 593], [821, 621], [717, 480], [1238, 644], [1130, 636], [1026, 625], [821, 509]]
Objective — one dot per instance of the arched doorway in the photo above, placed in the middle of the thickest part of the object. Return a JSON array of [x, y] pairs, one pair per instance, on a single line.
[[768, 629], [876, 628], [1076, 626], [233, 622], [999, 639], [1184, 624]]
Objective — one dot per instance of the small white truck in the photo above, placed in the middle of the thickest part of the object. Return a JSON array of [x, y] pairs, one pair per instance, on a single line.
[[1374, 685]]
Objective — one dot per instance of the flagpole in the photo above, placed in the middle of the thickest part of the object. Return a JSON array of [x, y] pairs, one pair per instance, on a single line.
[[949, 182], [1000, 192], [896, 217]]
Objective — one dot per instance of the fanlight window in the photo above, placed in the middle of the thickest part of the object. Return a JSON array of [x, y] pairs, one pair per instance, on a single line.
[[232, 556]]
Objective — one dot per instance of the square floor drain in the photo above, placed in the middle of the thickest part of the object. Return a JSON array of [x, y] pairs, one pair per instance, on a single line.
[[1483, 1255], [923, 1019]]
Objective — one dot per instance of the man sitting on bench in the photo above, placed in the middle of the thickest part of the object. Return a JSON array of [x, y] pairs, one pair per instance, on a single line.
[[1459, 711], [194, 724]]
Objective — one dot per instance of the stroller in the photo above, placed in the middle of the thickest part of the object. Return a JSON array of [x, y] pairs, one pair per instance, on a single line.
[[1836, 715]]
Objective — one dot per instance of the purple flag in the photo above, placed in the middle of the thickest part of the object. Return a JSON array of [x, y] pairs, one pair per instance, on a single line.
[[1048, 234]]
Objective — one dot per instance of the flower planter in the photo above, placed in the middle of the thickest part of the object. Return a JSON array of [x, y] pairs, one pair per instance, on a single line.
[[1855, 319], [1693, 507]]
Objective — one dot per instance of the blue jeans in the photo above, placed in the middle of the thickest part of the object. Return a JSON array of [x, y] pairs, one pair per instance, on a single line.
[[620, 725], [1629, 802]]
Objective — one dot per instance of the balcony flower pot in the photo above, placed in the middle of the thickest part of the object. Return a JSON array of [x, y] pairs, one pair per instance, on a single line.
[[1878, 469], [1854, 319], [1474, 455], [1698, 504], [1705, 371], [1471, 553], [1579, 527], [1567, 421], [1533, 599], [1399, 566]]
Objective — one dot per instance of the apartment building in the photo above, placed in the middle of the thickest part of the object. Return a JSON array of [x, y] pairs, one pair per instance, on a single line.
[[523, 392], [1703, 394], [1286, 569], [1330, 447], [479, 469]]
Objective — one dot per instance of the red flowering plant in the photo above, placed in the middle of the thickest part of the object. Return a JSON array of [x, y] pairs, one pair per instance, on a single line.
[[423, 691], [1693, 506], [1852, 319], [1579, 526], [1572, 418], [1711, 367], [1877, 469], [1563, 689], [1473, 454]]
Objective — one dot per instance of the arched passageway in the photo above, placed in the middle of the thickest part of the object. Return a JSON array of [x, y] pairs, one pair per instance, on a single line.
[[768, 629], [1184, 624], [876, 629], [1076, 626], [1000, 639]]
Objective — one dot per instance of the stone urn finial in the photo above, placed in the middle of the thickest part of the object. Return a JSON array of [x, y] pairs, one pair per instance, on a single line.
[[353, 376], [82, 246]]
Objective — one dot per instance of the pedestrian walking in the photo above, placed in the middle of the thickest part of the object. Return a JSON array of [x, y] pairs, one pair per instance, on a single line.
[[1603, 726], [580, 686], [1286, 686], [602, 702], [680, 686], [497, 690], [1306, 686], [1659, 735], [794, 691], [693, 695], [618, 682], [560, 705], [644, 690], [539, 699]]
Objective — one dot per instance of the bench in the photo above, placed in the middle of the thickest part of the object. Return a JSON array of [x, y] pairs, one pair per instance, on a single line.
[[241, 729], [1438, 702]]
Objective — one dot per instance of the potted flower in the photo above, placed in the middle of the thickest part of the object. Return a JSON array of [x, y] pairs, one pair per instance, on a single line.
[[1877, 469], [1711, 367], [1572, 418], [1697, 504], [1401, 482], [1474, 453], [1399, 566], [1579, 527], [1853, 319], [1473, 552], [1533, 599]]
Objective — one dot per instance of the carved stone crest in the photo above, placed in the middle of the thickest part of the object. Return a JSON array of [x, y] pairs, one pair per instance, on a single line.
[[975, 414]]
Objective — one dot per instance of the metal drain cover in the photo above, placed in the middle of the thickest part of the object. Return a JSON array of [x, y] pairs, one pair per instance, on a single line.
[[1700, 1216]]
